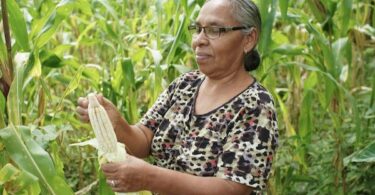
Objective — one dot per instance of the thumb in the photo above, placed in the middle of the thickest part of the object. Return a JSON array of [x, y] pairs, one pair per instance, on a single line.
[[104, 101], [101, 99]]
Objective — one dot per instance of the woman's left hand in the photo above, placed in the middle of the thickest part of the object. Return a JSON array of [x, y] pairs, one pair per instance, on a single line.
[[128, 175]]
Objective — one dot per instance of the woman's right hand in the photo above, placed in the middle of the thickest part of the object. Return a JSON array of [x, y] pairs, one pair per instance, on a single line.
[[82, 109]]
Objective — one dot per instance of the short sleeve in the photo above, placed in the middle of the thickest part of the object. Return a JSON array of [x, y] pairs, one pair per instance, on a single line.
[[250, 146], [155, 115]]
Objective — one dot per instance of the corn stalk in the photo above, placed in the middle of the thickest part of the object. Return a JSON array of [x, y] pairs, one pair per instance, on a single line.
[[6, 66]]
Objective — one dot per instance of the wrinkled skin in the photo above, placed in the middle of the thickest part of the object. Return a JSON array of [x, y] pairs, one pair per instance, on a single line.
[[127, 175]]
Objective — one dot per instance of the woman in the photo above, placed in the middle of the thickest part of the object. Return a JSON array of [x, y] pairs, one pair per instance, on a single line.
[[213, 131]]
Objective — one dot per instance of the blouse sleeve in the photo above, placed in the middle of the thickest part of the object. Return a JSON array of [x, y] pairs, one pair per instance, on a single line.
[[154, 116], [250, 146]]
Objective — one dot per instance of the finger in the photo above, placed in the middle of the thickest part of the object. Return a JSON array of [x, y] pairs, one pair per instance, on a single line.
[[83, 102], [81, 111], [109, 168], [84, 118], [119, 186], [119, 189], [112, 182], [110, 175], [116, 185], [101, 99], [82, 114]]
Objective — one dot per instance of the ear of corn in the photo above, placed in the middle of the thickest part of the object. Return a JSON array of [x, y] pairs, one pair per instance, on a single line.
[[109, 150]]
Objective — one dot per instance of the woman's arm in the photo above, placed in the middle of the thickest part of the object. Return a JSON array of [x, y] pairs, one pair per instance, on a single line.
[[137, 138], [166, 181], [134, 175]]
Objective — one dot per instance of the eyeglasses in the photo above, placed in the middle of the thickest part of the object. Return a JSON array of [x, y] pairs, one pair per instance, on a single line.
[[213, 32]]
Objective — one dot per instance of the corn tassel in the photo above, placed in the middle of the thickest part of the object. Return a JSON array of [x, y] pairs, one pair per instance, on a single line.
[[109, 150]]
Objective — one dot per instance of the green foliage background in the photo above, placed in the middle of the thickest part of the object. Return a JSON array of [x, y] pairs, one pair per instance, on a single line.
[[318, 60]]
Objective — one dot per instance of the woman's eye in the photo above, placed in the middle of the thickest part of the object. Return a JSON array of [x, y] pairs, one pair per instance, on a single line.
[[213, 30]]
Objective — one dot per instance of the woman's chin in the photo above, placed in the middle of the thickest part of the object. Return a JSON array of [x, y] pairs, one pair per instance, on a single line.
[[204, 69]]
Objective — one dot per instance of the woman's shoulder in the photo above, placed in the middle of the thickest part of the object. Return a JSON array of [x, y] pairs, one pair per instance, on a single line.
[[257, 94], [191, 78], [191, 75]]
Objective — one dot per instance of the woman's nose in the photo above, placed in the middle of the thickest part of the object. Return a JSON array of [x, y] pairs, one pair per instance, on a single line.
[[200, 38]]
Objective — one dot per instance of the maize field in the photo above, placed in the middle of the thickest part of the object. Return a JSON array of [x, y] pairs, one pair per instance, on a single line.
[[318, 61]]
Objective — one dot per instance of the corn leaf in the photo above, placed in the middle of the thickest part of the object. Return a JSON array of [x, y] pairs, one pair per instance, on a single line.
[[52, 22], [311, 81], [18, 25], [306, 124], [289, 49], [129, 84], [74, 83], [3, 53], [367, 154], [268, 13], [109, 8], [372, 101], [284, 7], [15, 96], [7, 173], [2, 111], [318, 9], [29, 156], [50, 59], [18, 181], [346, 6], [39, 23], [176, 40], [322, 43], [84, 6], [128, 71], [104, 188], [341, 50], [48, 30], [118, 75], [290, 131]]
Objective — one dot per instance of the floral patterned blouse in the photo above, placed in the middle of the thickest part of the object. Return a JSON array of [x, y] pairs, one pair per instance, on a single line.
[[235, 141]]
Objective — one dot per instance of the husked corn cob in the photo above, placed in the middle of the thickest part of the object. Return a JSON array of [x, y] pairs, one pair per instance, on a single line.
[[109, 149]]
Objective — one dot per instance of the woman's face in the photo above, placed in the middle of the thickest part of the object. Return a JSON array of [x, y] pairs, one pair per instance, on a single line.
[[225, 54]]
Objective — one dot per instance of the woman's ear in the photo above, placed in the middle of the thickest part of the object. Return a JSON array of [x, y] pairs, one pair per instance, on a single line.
[[251, 40]]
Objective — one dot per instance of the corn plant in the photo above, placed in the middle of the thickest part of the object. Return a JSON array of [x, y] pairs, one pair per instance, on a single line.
[[26, 166], [317, 60]]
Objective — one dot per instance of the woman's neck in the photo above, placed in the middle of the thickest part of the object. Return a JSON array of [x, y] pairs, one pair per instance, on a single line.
[[232, 80], [215, 92]]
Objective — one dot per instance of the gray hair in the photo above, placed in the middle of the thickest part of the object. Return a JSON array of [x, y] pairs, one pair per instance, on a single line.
[[246, 13]]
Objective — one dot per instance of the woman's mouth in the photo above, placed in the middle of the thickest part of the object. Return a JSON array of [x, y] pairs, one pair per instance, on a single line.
[[200, 57]]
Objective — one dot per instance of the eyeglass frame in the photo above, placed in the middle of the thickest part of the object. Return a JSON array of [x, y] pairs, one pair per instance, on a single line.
[[198, 29]]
